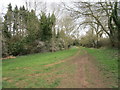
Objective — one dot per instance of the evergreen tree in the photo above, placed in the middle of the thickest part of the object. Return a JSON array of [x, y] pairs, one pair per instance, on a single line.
[[15, 23], [5, 31], [46, 26], [9, 17], [43, 26]]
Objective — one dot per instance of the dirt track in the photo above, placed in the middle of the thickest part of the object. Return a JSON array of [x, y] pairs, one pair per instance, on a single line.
[[87, 74]]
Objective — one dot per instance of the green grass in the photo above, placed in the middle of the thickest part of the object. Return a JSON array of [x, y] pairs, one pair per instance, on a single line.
[[30, 72], [107, 61]]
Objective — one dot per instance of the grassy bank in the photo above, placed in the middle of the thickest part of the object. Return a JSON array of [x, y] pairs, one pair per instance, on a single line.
[[30, 71], [107, 61]]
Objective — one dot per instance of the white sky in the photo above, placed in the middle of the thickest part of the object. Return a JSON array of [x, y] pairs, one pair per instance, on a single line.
[[4, 3]]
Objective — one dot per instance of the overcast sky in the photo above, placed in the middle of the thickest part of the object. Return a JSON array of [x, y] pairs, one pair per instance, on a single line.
[[4, 3]]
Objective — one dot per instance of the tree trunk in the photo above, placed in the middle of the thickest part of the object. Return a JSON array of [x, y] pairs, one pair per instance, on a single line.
[[112, 41]]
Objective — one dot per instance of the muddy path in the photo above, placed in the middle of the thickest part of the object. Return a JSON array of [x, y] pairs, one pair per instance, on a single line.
[[86, 75]]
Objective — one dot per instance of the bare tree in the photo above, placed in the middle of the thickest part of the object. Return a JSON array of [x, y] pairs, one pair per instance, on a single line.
[[67, 27], [99, 12]]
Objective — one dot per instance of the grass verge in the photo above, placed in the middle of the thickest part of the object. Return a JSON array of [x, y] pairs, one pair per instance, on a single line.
[[107, 61], [30, 72]]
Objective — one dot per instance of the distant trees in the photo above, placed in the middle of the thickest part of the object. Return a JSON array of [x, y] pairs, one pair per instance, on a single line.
[[66, 25], [89, 40]]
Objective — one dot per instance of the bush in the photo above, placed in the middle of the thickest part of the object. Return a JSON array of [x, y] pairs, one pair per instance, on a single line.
[[4, 49], [104, 42], [16, 48]]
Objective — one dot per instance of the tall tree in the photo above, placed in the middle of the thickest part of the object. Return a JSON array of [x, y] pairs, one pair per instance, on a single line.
[[67, 25], [9, 17], [46, 27], [115, 27], [15, 23], [53, 22]]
